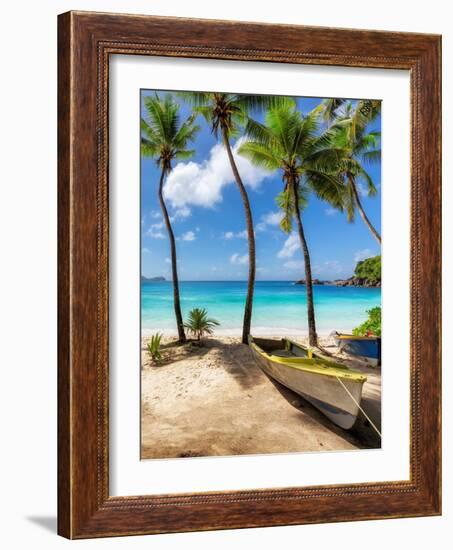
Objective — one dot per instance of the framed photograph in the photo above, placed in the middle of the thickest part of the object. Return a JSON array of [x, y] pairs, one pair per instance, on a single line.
[[249, 275]]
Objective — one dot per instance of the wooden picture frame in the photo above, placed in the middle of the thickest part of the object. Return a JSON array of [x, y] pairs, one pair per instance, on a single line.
[[85, 41]]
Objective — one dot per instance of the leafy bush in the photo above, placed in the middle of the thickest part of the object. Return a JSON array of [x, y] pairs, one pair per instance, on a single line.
[[372, 326], [199, 324], [369, 269], [153, 347]]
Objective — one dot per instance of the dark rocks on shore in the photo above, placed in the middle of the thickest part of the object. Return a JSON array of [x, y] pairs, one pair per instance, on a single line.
[[352, 281], [357, 281], [153, 278], [314, 281]]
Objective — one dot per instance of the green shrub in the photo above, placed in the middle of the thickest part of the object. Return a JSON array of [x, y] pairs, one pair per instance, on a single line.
[[372, 325], [153, 347], [198, 323]]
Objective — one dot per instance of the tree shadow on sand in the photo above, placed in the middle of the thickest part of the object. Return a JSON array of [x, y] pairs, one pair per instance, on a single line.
[[361, 434], [237, 360]]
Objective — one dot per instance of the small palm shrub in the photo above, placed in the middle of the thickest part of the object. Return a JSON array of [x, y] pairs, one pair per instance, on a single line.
[[153, 347], [198, 323]]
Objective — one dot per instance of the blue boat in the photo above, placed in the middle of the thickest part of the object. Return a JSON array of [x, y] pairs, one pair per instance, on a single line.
[[366, 347]]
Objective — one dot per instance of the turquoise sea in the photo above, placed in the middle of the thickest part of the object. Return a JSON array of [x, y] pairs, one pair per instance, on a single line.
[[279, 307]]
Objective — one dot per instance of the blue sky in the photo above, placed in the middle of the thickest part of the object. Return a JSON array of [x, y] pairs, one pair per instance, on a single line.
[[208, 220]]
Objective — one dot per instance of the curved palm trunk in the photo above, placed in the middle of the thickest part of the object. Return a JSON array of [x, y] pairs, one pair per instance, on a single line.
[[251, 242], [176, 300], [312, 336], [362, 211]]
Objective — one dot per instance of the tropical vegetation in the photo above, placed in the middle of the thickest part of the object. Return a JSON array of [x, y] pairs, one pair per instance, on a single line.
[[369, 269], [324, 152], [372, 326], [354, 147], [199, 324], [165, 138], [290, 143], [153, 347], [226, 114]]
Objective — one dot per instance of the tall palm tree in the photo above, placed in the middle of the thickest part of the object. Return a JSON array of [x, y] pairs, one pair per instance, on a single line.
[[356, 146], [289, 142], [226, 113], [165, 138]]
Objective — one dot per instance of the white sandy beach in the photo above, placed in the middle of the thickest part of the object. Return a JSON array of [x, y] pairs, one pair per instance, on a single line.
[[215, 400]]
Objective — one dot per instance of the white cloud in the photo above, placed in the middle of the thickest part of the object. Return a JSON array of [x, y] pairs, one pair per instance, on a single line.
[[181, 213], [290, 246], [188, 236], [272, 218], [155, 231], [167, 261], [237, 259], [146, 250], [262, 270], [155, 214], [294, 265], [330, 211], [239, 235], [363, 254], [201, 184]]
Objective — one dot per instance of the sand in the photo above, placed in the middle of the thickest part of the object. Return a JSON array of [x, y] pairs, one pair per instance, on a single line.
[[214, 400]]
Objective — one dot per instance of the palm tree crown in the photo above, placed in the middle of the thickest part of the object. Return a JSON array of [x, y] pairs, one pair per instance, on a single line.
[[164, 137], [356, 146], [290, 142]]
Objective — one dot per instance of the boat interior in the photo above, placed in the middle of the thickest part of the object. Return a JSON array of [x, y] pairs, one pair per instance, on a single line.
[[282, 348]]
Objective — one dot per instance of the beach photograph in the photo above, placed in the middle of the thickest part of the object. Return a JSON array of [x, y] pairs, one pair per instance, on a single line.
[[260, 274]]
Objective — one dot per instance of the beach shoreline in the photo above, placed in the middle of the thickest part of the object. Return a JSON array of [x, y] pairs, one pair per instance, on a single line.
[[237, 332], [214, 400], [279, 307]]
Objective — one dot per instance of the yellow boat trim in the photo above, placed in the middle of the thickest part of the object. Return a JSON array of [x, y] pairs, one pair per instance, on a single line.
[[315, 366], [352, 337]]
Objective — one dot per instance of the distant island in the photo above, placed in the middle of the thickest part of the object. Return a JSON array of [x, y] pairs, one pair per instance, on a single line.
[[152, 279], [367, 274]]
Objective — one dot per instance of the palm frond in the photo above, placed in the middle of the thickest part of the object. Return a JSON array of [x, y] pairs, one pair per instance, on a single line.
[[329, 109], [259, 155], [372, 157], [148, 148]]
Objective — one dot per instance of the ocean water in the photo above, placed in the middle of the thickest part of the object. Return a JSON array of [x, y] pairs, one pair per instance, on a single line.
[[279, 307]]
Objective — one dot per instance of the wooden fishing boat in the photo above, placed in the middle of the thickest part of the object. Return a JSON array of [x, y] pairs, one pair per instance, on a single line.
[[332, 388], [365, 347]]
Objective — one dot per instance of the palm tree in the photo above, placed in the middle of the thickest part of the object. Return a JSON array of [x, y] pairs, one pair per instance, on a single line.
[[165, 138], [356, 146], [226, 113], [288, 142], [199, 324]]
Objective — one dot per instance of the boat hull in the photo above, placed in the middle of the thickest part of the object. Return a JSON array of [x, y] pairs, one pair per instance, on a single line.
[[368, 348], [338, 400]]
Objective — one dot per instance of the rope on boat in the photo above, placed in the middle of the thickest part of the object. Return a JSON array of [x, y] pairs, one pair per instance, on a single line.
[[360, 408]]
